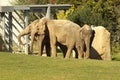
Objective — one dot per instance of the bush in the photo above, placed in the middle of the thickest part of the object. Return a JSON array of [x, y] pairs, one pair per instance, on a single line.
[[2, 44], [99, 13]]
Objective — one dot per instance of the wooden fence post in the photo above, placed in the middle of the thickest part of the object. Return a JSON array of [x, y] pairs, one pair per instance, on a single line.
[[26, 37]]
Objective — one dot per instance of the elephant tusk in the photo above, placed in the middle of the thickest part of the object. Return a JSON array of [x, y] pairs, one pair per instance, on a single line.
[[24, 43]]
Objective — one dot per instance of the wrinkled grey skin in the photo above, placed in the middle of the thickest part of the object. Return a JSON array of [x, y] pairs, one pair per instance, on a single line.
[[32, 30], [86, 35], [63, 33], [68, 34]]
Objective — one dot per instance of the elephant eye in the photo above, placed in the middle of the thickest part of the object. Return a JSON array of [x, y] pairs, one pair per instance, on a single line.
[[29, 28]]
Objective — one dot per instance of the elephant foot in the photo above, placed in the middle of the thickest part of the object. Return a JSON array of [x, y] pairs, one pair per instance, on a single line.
[[30, 53], [86, 58], [53, 56], [80, 57], [39, 54], [66, 57]]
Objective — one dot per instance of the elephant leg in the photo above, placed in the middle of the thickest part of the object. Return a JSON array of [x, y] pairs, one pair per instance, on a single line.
[[68, 52], [47, 47], [54, 52], [40, 50], [31, 48], [80, 49], [87, 46], [80, 52], [32, 42], [64, 49], [53, 46], [87, 53], [46, 43]]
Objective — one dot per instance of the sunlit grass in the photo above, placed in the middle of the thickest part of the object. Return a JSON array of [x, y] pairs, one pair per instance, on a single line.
[[29, 67]]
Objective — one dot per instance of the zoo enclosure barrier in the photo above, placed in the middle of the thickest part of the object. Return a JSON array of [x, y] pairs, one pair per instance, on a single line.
[[12, 22]]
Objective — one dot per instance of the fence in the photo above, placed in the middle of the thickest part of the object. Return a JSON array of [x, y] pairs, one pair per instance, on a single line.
[[12, 22]]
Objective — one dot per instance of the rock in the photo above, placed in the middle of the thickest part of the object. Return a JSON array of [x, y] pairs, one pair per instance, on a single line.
[[101, 44]]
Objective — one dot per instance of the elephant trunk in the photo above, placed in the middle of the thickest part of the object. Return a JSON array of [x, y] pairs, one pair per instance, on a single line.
[[41, 44], [19, 39], [88, 44], [23, 33]]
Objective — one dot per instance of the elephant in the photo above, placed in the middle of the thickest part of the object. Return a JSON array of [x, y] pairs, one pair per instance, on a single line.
[[68, 34], [86, 36], [63, 33], [27, 31], [32, 30]]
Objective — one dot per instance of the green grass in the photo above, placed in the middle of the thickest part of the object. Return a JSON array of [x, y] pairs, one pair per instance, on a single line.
[[116, 57], [28, 67]]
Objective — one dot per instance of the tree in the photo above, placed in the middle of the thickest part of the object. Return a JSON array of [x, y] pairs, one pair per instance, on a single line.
[[93, 12], [30, 2], [100, 12]]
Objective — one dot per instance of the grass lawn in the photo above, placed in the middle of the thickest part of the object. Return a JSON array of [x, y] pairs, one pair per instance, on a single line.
[[28, 67]]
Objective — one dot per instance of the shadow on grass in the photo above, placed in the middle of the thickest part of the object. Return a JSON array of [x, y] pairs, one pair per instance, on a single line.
[[116, 57]]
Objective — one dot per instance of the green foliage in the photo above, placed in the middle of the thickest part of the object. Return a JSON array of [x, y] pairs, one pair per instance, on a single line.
[[30, 2], [116, 49], [93, 12], [100, 13], [64, 14], [116, 56]]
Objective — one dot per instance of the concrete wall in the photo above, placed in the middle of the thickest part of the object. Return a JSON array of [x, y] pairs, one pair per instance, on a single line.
[[5, 2]]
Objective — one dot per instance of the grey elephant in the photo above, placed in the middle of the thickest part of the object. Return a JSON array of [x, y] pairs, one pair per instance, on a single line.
[[68, 40], [66, 33], [32, 30], [29, 30], [86, 36]]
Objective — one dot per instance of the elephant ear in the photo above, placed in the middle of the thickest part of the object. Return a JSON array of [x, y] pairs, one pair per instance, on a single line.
[[44, 20], [81, 33], [42, 26]]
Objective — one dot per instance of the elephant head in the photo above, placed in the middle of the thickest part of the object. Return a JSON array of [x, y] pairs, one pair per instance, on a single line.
[[42, 26], [86, 35], [31, 30], [42, 34], [27, 31]]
